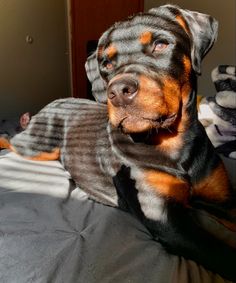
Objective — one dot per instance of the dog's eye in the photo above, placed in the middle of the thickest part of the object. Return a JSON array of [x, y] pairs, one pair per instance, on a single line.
[[107, 64], [160, 45]]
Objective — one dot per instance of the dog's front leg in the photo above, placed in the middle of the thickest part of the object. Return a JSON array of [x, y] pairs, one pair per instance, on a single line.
[[180, 234]]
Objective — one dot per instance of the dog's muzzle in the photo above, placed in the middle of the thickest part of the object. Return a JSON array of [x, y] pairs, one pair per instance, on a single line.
[[122, 90]]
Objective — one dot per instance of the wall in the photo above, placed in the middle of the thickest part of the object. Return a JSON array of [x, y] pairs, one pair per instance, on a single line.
[[31, 75], [224, 51]]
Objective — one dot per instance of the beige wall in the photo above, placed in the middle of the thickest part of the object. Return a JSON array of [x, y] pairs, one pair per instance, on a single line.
[[224, 51], [31, 75]]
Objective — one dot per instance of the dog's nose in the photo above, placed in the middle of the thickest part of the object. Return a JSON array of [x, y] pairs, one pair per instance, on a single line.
[[122, 91]]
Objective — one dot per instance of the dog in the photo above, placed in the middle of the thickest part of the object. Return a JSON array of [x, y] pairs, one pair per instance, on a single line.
[[140, 146]]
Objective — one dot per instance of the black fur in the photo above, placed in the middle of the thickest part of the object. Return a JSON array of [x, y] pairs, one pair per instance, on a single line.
[[181, 234]]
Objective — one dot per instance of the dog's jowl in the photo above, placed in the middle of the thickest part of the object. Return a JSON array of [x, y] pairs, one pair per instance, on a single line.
[[141, 146]]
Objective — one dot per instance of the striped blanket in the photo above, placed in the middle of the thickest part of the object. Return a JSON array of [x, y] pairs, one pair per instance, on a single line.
[[79, 128], [218, 113]]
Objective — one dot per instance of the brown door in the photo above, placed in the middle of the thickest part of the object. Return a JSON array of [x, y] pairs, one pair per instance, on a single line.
[[89, 19]]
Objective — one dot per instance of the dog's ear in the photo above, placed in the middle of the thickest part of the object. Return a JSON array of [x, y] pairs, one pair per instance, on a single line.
[[204, 30], [201, 28], [93, 74]]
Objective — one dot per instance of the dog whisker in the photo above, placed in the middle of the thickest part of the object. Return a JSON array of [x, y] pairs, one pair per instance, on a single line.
[[169, 130]]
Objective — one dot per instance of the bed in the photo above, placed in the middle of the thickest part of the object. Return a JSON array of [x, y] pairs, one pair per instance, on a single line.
[[51, 232]]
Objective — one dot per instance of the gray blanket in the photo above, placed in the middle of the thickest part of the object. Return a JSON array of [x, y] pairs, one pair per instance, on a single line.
[[51, 232]]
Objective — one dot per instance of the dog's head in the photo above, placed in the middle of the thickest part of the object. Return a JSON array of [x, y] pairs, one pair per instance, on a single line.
[[143, 66]]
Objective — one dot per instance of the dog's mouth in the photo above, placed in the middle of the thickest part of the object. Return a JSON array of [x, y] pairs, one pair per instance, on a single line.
[[163, 122], [148, 128]]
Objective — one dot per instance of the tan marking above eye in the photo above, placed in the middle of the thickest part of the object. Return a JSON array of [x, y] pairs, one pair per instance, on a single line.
[[111, 51], [145, 37]]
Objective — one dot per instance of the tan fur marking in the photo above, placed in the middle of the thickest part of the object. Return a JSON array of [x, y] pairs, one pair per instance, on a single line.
[[145, 37], [4, 143], [172, 94], [46, 156], [185, 91], [182, 23], [214, 187], [150, 95], [43, 156], [111, 51], [187, 67], [168, 142], [168, 186]]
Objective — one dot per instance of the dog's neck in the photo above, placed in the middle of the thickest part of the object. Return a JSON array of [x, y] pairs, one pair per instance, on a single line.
[[169, 140]]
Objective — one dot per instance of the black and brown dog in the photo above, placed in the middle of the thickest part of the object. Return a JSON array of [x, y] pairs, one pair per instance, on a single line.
[[153, 150], [149, 65]]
